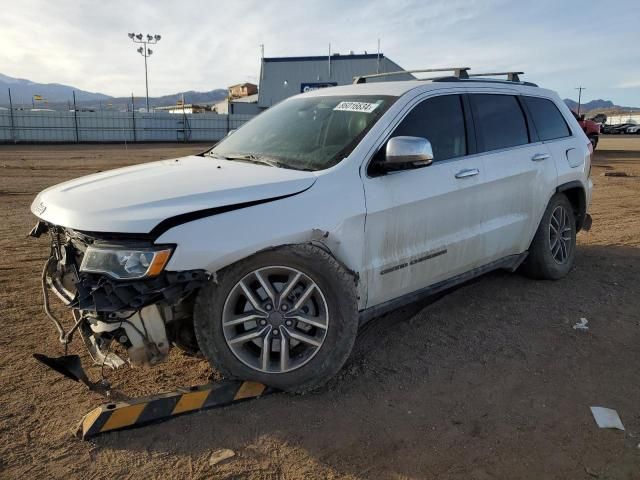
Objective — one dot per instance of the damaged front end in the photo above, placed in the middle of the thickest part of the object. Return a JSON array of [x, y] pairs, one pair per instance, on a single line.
[[119, 293]]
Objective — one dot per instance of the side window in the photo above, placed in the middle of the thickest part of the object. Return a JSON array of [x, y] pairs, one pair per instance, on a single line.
[[548, 120], [441, 121], [500, 122]]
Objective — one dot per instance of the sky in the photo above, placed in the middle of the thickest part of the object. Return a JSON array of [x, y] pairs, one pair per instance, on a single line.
[[560, 44]]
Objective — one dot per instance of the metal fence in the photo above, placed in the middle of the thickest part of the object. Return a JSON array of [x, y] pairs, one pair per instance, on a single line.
[[24, 126]]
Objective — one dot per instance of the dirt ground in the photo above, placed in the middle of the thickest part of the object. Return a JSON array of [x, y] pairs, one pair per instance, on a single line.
[[490, 381]]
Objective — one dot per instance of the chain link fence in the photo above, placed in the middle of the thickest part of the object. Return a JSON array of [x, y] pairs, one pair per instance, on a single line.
[[25, 126]]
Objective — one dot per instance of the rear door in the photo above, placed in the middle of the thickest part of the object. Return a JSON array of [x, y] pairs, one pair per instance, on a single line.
[[424, 225], [519, 173], [554, 132]]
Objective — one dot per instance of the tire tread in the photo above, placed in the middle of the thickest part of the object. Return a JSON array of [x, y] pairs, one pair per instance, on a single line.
[[345, 314], [539, 264]]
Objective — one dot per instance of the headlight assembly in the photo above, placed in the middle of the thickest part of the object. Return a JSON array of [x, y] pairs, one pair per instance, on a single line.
[[124, 263]]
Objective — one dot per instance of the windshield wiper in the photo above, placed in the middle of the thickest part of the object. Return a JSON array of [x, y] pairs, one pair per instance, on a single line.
[[245, 158], [260, 159], [216, 155], [253, 158]]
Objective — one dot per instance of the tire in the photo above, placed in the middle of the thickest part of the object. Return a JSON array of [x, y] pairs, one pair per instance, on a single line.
[[332, 304], [545, 261]]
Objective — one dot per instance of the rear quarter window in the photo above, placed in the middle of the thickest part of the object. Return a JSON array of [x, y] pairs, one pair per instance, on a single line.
[[500, 121], [549, 122]]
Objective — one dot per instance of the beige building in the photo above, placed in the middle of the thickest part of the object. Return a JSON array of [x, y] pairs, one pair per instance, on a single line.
[[242, 90]]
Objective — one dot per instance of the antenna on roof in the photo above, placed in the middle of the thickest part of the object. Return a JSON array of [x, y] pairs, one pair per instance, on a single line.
[[378, 58], [329, 61]]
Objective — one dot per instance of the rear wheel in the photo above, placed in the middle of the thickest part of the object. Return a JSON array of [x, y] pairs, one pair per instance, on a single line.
[[286, 318], [552, 251]]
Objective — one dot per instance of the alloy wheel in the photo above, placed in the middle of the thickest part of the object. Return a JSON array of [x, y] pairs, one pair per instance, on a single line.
[[560, 235], [275, 319]]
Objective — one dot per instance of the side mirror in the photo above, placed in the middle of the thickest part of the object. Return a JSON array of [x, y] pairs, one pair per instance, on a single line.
[[408, 152]]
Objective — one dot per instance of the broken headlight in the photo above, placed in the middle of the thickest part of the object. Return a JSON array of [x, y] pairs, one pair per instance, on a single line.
[[126, 264]]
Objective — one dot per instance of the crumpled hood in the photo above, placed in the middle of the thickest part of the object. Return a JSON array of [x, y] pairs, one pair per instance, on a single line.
[[136, 199]]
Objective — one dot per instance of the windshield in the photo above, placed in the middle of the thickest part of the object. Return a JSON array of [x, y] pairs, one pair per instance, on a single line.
[[305, 133]]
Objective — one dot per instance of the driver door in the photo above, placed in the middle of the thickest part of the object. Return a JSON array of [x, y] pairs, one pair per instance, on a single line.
[[424, 225]]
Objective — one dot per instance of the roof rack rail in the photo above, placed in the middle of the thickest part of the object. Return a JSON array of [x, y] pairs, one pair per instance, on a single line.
[[511, 76], [459, 72]]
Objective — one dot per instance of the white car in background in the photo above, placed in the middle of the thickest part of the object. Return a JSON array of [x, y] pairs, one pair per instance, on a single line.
[[268, 251], [634, 129]]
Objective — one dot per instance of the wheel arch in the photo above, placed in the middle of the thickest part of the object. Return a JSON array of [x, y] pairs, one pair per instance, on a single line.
[[316, 240], [576, 194]]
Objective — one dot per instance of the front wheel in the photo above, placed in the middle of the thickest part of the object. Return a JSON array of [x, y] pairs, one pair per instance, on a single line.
[[286, 318], [553, 249]]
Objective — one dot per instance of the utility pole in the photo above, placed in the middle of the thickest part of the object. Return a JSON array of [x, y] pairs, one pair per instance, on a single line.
[[145, 52], [580, 88]]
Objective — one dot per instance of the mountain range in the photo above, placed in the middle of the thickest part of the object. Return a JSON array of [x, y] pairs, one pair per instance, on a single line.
[[58, 96], [54, 92], [592, 105]]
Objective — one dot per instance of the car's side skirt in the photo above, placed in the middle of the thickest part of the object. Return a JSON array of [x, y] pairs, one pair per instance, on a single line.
[[512, 262]]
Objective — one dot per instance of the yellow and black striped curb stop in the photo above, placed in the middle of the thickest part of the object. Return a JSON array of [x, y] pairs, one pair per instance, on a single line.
[[144, 410]]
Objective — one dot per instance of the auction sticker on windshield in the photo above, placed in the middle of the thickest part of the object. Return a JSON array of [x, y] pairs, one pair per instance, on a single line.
[[356, 107]]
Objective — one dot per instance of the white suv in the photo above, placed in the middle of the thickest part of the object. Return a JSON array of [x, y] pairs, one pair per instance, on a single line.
[[268, 251]]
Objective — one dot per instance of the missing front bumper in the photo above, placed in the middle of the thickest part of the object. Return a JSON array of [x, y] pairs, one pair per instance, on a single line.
[[134, 313], [99, 293]]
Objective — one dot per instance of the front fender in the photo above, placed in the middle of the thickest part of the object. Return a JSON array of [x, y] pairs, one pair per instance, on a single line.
[[214, 242]]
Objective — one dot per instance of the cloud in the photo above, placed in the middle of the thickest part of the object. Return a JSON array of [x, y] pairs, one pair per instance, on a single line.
[[207, 45], [629, 84]]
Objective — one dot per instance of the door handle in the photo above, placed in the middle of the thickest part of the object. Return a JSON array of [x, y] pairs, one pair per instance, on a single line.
[[540, 156], [467, 172]]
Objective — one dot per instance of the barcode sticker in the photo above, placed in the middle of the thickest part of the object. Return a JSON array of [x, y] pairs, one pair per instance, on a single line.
[[363, 107]]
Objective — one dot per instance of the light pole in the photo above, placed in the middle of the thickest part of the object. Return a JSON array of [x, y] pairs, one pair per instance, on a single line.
[[145, 52]]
